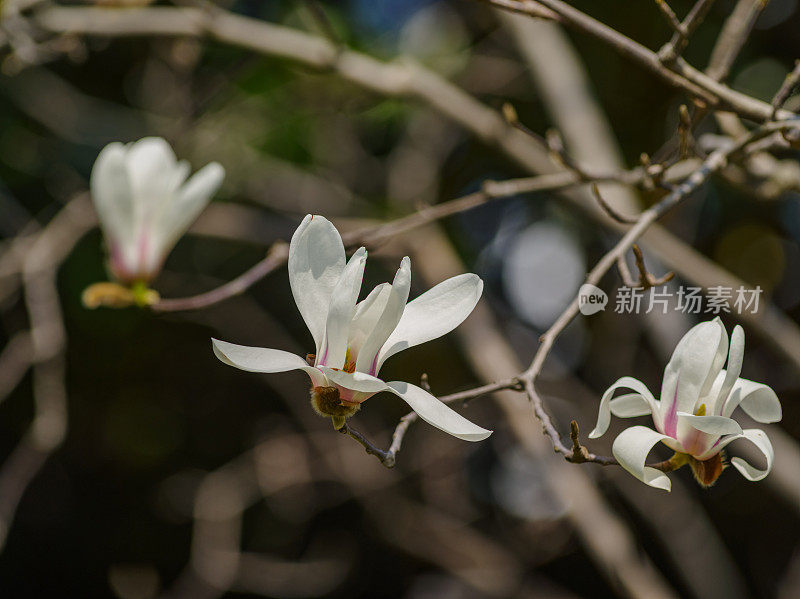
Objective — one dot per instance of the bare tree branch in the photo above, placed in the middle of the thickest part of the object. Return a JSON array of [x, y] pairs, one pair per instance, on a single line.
[[680, 75], [670, 52], [791, 81]]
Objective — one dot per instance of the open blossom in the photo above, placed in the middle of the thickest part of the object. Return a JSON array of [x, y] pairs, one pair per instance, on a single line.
[[353, 339], [145, 203], [693, 415]]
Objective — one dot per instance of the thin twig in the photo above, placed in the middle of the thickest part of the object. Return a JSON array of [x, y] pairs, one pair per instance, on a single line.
[[715, 161], [560, 155], [671, 17], [791, 81], [646, 280], [276, 257], [684, 132], [532, 9], [732, 38], [384, 456], [389, 456], [680, 74], [374, 235], [670, 51], [627, 220]]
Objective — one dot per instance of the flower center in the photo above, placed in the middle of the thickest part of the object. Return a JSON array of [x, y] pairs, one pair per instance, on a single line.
[[327, 402]]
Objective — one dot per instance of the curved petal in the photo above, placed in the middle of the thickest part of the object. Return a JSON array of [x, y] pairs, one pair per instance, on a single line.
[[437, 414], [355, 381], [190, 200], [152, 168], [387, 321], [367, 313], [631, 449], [712, 425], [433, 314], [112, 194], [697, 434], [263, 359], [604, 412], [630, 406], [341, 310], [758, 438], [758, 401], [735, 359], [690, 374], [316, 261]]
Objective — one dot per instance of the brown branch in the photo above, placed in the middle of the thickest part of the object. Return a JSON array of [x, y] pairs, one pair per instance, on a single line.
[[280, 41], [670, 51], [385, 457], [532, 9], [671, 17], [681, 75], [646, 280], [560, 156], [275, 258], [715, 161], [732, 38], [42, 348], [626, 220], [791, 81], [388, 457], [372, 236], [684, 132]]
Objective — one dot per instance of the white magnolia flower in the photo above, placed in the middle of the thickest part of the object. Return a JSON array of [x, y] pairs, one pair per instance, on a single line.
[[353, 339], [145, 203], [693, 416]]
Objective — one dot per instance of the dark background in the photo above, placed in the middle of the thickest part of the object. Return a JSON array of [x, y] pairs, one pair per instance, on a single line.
[[151, 410]]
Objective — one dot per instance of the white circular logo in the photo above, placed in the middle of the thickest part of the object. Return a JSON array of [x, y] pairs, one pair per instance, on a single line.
[[591, 299]]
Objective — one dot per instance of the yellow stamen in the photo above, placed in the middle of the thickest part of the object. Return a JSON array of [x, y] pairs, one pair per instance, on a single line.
[[349, 363]]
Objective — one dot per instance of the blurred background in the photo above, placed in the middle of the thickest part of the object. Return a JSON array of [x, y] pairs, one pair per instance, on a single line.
[[181, 477]]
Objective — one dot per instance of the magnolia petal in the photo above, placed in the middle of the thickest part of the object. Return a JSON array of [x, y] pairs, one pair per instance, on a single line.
[[111, 194], [433, 314], [712, 425], [757, 400], [693, 368], [604, 412], [427, 407], [437, 414], [696, 435], [355, 381], [631, 449], [189, 201], [263, 359], [341, 310], [630, 406], [758, 438], [367, 313], [151, 167], [735, 359], [316, 261], [387, 321]]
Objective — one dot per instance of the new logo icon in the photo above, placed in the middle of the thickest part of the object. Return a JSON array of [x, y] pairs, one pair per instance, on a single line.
[[591, 299]]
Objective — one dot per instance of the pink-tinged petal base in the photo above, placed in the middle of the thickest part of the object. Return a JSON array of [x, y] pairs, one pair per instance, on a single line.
[[669, 425]]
